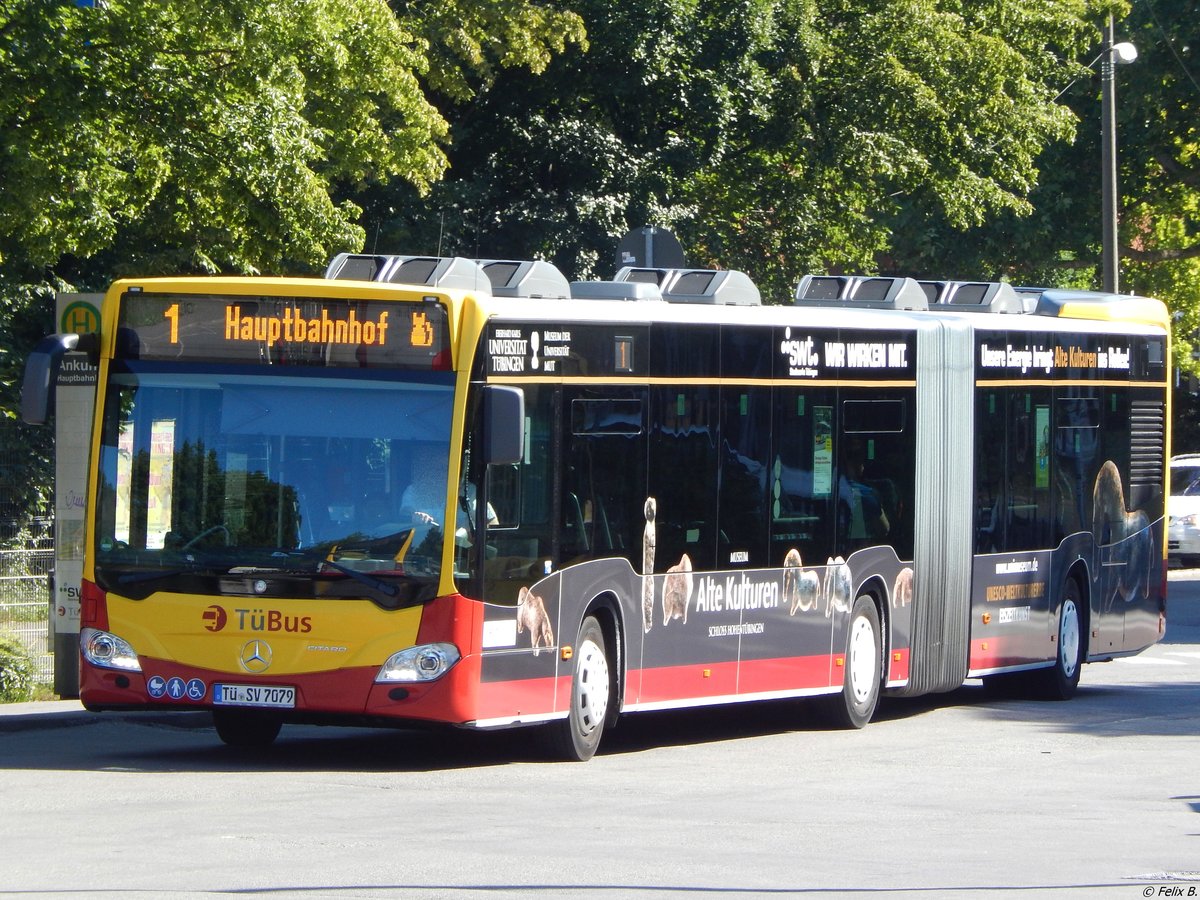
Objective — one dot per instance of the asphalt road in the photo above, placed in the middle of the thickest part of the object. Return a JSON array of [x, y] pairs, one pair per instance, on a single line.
[[959, 795]]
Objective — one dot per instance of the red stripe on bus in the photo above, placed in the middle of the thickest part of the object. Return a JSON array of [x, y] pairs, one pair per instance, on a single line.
[[526, 697], [667, 684], [729, 679], [998, 652], [680, 682], [759, 676]]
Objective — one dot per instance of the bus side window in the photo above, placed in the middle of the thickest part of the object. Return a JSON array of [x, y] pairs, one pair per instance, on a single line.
[[604, 484], [1028, 523], [575, 528], [742, 501], [990, 503], [801, 476], [876, 459], [504, 496], [683, 465], [519, 537]]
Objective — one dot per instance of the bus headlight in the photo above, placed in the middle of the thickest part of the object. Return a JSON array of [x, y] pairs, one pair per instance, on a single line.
[[425, 663], [103, 649]]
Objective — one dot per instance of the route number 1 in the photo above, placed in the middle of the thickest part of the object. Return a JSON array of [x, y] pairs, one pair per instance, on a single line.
[[171, 313]]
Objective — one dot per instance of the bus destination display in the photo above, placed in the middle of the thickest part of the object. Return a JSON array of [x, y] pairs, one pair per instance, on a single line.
[[283, 331], [1009, 356]]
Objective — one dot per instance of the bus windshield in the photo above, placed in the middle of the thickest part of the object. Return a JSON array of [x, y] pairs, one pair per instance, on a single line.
[[304, 484]]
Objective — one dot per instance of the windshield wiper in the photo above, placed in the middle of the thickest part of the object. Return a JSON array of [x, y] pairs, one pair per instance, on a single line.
[[385, 587], [149, 575]]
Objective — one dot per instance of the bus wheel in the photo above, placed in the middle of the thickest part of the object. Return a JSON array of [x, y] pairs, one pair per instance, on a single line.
[[578, 735], [1060, 680], [241, 728], [855, 704]]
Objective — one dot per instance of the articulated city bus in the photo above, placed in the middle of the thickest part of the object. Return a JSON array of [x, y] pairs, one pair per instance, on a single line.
[[469, 492]]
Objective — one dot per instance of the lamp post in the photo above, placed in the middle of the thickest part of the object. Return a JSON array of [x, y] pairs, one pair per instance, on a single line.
[[1112, 55]]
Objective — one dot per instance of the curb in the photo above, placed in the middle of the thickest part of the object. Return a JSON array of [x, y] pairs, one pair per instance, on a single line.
[[48, 714]]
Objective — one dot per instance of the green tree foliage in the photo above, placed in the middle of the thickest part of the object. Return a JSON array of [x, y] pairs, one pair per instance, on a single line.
[[774, 135], [1159, 145], [559, 164], [1059, 241], [16, 671], [156, 136], [193, 136], [470, 41], [1185, 415], [26, 451], [209, 132], [879, 102]]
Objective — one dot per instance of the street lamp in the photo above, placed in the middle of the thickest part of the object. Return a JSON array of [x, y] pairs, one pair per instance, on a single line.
[[1113, 54]]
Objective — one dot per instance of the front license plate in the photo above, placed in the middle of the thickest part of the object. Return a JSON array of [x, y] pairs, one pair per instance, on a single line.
[[253, 695]]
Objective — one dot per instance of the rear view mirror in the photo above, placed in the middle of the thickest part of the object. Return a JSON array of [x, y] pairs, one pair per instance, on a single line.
[[504, 424], [41, 372]]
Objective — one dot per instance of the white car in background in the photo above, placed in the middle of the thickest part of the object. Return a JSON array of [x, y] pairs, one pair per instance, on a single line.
[[1183, 510]]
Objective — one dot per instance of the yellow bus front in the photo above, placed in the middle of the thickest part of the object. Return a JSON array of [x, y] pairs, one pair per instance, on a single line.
[[274, 520]]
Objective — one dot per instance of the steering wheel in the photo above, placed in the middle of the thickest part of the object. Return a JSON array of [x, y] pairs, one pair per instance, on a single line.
[[205, 533]]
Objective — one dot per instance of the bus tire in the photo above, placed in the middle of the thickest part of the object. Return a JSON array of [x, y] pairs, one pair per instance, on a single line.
[[854, 705], [1060, 680], [577, 736], [244, 729]]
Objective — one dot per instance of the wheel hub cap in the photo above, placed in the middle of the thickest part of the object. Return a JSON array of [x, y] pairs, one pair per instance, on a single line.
[[862, 659], [591, 680], [1068, 638]]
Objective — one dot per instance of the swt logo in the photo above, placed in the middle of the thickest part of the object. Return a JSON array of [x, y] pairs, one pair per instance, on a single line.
[[215, 618]]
